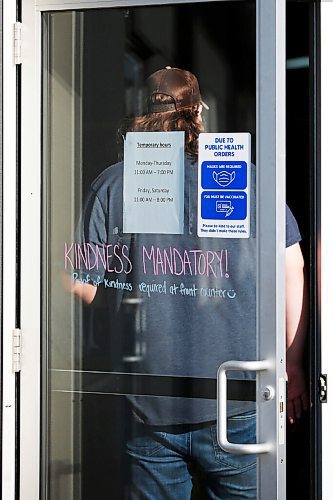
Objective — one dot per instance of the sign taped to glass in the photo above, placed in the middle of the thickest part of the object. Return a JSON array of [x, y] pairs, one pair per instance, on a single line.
[[224, 185], [154, 182]]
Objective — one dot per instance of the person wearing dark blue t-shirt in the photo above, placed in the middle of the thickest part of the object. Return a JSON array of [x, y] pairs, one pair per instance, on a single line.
[[211, 318]]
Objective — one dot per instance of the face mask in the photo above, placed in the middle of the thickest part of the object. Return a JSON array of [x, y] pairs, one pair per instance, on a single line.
[[224, 179]]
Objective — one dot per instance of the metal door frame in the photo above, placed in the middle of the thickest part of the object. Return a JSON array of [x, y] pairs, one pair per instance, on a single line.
[[270, 229], [9, 246], [326, 241]]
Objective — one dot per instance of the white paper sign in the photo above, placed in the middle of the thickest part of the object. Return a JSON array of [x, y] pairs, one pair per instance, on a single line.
[[154, 183], [224, 185]]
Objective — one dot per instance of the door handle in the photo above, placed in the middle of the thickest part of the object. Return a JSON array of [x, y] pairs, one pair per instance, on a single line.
[[137, 348], [239, 448]]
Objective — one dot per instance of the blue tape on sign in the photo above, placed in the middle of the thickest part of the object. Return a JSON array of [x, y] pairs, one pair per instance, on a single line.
[[224, 175], [224, 206]]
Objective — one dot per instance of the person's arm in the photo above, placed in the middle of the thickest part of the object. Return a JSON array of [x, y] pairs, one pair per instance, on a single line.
[[296, 329], [90, 231], [84, 291]]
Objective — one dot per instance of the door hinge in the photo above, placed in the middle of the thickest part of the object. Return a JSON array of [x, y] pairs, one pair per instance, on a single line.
[[17, 43], [17, 349], [323, 388]]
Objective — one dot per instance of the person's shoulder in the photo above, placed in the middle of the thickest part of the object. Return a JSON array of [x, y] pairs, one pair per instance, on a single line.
[[109, 177], [293, 234]]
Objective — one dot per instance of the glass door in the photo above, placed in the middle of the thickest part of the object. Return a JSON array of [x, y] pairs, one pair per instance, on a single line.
[[153, 160]]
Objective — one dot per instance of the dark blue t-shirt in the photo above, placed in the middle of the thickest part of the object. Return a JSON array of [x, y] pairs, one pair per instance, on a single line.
[[186, 303]]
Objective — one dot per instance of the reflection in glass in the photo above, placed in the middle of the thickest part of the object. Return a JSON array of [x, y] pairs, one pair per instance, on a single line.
[[171, 305]]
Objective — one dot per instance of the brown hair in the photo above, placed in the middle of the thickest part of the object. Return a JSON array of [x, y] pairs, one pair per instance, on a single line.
[[187, 120]]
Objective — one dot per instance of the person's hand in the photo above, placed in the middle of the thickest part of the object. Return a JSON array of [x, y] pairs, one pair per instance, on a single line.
[[85, 291], [297, 401]]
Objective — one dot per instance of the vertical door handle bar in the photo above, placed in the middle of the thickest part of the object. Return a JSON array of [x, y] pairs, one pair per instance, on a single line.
[[222, 438]]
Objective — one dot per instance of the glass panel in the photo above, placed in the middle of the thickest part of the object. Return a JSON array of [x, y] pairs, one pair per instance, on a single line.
[[137, 279]]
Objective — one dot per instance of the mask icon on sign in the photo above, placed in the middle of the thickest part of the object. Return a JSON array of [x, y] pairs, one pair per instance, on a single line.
[[224, 179]]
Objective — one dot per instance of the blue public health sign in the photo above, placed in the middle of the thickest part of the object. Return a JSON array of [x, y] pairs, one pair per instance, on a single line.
[[224, 178], [224, 175], [224, 206]]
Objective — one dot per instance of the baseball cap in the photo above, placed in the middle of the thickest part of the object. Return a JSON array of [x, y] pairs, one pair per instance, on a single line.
[[181, 85]]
